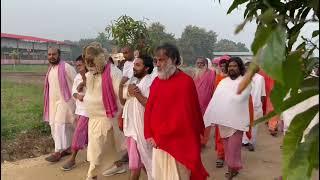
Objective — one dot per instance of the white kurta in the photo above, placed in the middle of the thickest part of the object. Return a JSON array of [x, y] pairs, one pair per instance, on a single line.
[[99, 124], [133, 125], [227, 108], [258, 90], [80, 107], [128, 69], [61, 113]]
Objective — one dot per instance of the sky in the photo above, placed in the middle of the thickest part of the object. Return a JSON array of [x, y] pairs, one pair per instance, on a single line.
[[76, 19]]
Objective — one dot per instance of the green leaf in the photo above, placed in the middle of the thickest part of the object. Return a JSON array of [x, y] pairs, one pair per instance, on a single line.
[[294, 33], [314, 154], [277, 96], [273, 54], [261, 36], [311, 63], [293, 100], [294, 135], [315, 33], [297, 98], [268, 16], [310, 84], [235, 4], [305, 158], [241, 26], [292, 70]]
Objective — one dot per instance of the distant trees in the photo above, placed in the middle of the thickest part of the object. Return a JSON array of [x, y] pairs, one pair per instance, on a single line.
[[194, 41], [230, 46]]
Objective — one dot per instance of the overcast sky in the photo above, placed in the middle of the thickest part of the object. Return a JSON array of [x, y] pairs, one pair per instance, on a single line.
[[76, 19]]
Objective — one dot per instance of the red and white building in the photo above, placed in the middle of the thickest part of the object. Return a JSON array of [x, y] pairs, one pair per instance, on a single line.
[[19, 49]]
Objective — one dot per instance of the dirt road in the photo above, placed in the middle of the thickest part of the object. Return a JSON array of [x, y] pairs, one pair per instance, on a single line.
[[263, 164]]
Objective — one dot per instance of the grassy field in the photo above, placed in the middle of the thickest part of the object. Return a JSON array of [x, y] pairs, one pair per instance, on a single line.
[[24, 68], [21, 106]]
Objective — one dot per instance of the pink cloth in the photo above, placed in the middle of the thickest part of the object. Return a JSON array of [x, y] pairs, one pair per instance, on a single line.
[[63, 85], [218, 59], [232, 150], [134, 156], [205, 86], [108, 95], [80, 136]]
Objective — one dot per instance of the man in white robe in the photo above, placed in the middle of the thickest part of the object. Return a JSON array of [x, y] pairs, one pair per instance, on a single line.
[[100, 122], [133, 113], [230, 111], [60, 111], [258, 94]]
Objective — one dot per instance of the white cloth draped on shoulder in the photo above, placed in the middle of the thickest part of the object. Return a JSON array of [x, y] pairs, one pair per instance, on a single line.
[[227, 108]]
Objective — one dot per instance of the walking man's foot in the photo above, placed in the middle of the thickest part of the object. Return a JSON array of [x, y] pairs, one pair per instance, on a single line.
[[114, 169], [68, 166]]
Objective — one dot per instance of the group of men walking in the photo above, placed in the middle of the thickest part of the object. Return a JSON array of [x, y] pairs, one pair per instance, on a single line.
[[165, 115]]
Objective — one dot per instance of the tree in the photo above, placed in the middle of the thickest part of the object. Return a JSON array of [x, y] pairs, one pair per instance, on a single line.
[[127, 31], [105, 42], [195, 42], [225, 45], [158, 35], [279, 25]]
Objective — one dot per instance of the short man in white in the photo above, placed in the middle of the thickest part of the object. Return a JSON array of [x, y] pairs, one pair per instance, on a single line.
[[59, 106], [258, 94]]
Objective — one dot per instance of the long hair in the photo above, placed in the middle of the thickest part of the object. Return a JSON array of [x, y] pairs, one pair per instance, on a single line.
[[171, 51], [239, 61], [95, 52]]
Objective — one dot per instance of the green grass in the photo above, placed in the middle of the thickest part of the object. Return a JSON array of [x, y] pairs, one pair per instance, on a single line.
[[21, 109], [24, 68]]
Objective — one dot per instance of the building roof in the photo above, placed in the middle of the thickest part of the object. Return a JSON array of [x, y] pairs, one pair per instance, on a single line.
[[233, 53], [29, 38]]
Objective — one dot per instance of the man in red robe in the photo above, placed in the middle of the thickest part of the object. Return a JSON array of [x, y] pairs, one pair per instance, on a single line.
[[173, 120]]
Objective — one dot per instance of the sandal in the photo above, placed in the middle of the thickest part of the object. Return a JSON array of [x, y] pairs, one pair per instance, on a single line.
[[65, 153], [230, 175], [68, 166], [219, 163], [53, 157]]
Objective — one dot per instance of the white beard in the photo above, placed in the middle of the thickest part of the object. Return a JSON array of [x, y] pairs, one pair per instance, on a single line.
[[167, 72]]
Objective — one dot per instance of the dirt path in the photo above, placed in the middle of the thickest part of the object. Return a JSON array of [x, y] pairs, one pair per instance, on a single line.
[[263, 164]]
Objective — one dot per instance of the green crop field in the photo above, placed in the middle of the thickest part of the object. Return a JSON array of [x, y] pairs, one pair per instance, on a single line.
[[24, 68], [21, 109]]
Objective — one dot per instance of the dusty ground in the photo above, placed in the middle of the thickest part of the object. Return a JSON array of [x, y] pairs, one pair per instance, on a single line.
[[263, 164]]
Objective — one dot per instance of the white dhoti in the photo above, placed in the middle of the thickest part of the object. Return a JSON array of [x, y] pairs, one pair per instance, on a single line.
[[61, 113], [165, 167], [62, 136], [254, 131], [133, 124], [100, 126]]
